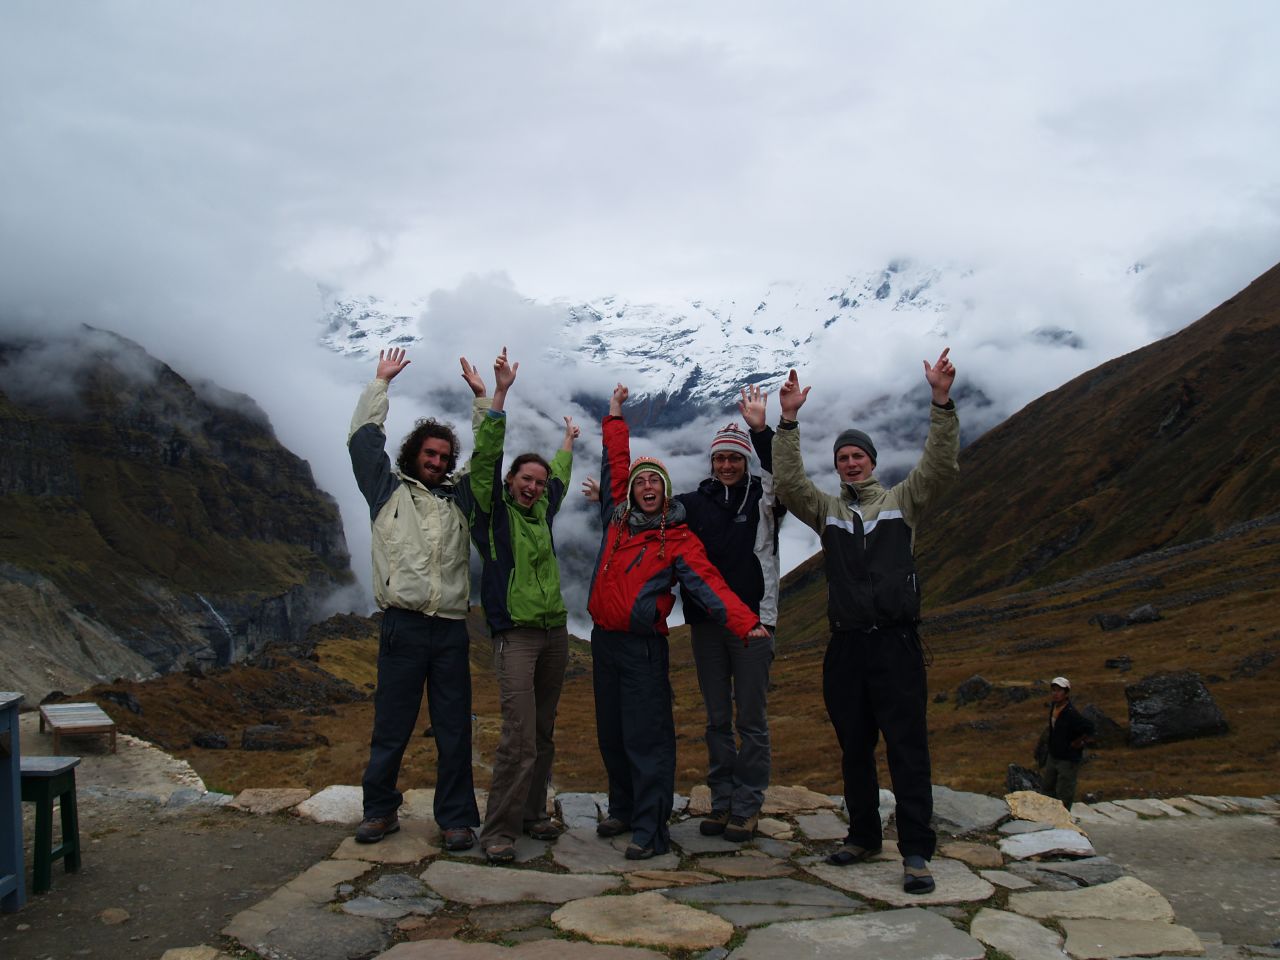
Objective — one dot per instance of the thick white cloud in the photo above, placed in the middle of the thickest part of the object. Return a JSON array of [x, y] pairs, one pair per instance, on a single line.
[[191, 175]]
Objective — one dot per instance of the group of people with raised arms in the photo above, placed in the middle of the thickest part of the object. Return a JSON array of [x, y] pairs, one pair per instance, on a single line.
[[719, 543]]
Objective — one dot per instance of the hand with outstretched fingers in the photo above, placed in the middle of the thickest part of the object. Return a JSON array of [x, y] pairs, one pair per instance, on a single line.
[[620, 394], [792, 396], [504, 373], [571, 433], [472, 376], [752, 407], [390, 363], [591, 490]]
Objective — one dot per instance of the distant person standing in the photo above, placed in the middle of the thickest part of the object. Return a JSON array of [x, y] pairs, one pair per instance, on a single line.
[[1069, 731], [736, 516], [421, 581], [873, 674], [520, 590]]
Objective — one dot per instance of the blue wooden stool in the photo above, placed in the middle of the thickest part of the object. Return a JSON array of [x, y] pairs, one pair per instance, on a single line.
[[44, 780]]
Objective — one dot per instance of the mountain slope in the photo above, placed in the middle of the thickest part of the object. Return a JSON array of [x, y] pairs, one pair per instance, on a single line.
[[1168, 444], [146, 521]]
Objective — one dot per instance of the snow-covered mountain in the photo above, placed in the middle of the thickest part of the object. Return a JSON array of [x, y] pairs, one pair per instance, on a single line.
[[695, 354]]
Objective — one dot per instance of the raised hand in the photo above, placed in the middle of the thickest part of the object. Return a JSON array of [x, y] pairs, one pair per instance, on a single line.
[[752, 406], [620, 394], [504, 373], [390, 363], [940, 377], [792, 396], [591, 490], [472, 376], [571, 433]]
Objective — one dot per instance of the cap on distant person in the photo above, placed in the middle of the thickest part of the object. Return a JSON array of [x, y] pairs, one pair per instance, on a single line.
[[1062, 682]]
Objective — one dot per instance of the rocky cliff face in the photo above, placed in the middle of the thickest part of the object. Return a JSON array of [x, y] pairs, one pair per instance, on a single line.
[[145, 521]]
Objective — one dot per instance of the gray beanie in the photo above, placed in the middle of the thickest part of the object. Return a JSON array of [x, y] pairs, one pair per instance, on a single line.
[[855, 438]]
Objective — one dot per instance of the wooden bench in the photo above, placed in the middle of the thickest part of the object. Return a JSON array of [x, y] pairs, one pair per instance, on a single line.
[[75, 719], [45, 781]]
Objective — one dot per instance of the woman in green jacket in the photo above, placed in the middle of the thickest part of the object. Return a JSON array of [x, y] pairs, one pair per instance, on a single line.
[[520, 591]]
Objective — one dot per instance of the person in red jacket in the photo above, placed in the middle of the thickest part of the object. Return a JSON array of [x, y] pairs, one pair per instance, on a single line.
[[647, 547]]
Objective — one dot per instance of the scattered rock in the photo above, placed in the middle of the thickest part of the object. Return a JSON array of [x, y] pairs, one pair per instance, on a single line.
[[269, 800], [124, 699], [1171, 706], [1021, 778], [1106, 732], [972, 690], [1143, 614], [113, 916], [210, 740], [1108, 621], [1029, 805], [1122, 663], [266, 736], [791, 800], [1253, 664], [336, 804]]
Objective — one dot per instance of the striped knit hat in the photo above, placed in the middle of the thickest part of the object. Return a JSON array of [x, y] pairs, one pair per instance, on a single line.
[[732, 439], [649, 465]]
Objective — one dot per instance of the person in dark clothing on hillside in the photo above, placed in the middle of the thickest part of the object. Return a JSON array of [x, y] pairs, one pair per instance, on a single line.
[[646, 548], [736, 516], [1069, 731], [873, 675]]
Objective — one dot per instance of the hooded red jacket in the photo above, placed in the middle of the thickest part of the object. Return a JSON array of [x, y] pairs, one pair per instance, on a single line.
[[631, 589]]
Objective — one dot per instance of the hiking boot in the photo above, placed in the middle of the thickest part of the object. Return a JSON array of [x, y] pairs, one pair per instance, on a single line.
[[637, 852], [611, 827], [741, 829], [916, 877], [501, 853], [373, 829], [459, 838], [851, 853], [713, 824], [544, 829]]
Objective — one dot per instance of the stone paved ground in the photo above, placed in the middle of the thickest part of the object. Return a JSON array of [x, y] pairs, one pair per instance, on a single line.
[[1042, 886]]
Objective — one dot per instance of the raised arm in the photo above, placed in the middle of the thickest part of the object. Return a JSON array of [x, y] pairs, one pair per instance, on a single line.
[[615, 461], [939, 464], [367, 440], [793, 486], [940, 377], [504, 375]]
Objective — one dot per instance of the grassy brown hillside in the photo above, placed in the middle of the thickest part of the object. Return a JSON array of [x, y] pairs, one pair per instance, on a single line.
[[1168, 444]]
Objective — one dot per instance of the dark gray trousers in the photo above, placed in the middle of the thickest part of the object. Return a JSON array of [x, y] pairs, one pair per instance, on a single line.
[[734, 680]]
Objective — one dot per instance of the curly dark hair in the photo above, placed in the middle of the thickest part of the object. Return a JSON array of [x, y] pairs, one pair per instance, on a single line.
[[524, 458], [426, 428]]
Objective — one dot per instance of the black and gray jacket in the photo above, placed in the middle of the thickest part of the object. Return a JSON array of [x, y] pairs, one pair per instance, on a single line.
[[739, 527], [868, 532]]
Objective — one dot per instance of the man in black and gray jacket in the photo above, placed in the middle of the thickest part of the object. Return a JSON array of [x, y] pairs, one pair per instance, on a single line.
[[1068, 732], [736, 516], [873, 675]]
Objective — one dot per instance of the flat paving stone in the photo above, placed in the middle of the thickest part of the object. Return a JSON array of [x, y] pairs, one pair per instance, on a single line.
[[581, 850], [1044, 843], [478, 885], [686, 836], [781, 892], [1088, 872], [794, 800], [414, 841], [320, 934], [1084, 813], [823, 825], [958, 812], [379, 909], [1255, 804], [648, 919], [1125, 899], [974, 854], [1190, 806], [1019, 938], [759, 914], [772, 827], [882, 880], [269, 800], [909, 934], [581, 809], [1096, 939], [1164, 808], [1144, 808], [1115, 812], [1220, 804], [510, 916], [538, 950], [664, 879], [745, 865], [1030, 805], [336, 804], [1014, 827], [396, 886], [781, 849], [1002, 878]]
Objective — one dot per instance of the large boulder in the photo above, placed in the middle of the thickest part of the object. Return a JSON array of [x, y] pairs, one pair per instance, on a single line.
[[1018, 778], [1106, 732], [1171, 706]]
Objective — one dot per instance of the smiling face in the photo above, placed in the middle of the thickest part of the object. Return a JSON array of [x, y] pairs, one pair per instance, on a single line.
[[853, 464], [728, 468], [648, 492], [433, 461], [527, 483]]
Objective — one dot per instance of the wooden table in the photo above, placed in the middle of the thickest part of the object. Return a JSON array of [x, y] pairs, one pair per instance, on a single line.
[[13, 893], [74, 719]]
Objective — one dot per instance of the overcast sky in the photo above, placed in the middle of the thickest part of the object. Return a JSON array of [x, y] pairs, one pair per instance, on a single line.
[[192, 175]]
